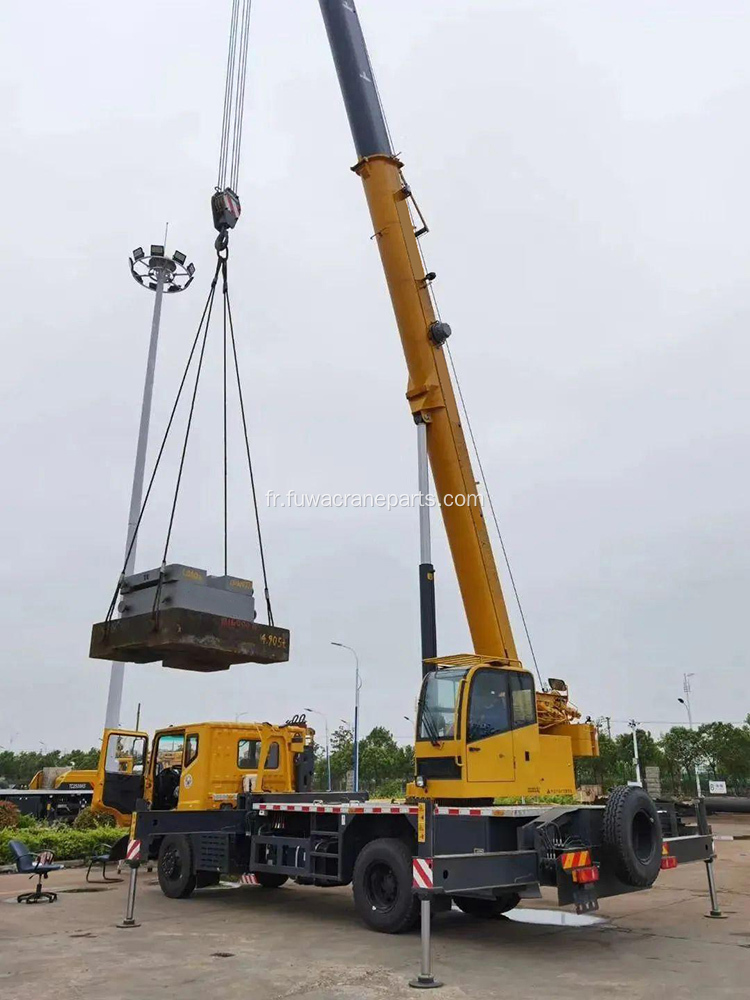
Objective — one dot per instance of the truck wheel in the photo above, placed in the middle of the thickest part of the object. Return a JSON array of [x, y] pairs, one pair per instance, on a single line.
[[632, 833], [487, 909], [382, 886], [270, 881], [175, 867]]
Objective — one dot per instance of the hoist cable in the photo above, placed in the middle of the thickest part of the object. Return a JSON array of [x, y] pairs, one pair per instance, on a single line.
[[234, 96], [494, 515], [228, 96], [226, 467], [480, 466], [261, 549], [234, 175], [190, 419], [162, 446]]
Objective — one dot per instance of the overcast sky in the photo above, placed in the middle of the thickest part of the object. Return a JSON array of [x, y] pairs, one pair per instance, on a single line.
[[584, 171]]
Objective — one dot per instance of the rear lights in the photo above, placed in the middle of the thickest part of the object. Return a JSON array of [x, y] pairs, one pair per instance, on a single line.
[[575, 859], [582, 875], [667, 861]]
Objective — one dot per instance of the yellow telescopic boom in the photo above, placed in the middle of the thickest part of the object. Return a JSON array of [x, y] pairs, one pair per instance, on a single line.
[[430, 392]]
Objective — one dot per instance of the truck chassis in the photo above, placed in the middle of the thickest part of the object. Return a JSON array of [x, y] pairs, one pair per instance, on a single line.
[[483, 859]]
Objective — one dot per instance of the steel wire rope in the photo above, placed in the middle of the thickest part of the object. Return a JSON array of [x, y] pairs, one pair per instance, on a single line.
[[209, 302], [234, 174], [189, 425], [261, 548], [483, 477], [228, 96]]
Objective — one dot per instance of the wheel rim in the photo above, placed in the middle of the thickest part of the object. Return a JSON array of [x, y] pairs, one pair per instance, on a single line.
[[172, 864], [381, 886], [643, 837]]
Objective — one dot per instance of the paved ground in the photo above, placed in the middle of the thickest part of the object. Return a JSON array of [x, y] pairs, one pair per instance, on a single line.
[[304, 942]]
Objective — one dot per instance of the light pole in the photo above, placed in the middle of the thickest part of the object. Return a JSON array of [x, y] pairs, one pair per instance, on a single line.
[[357, 686], [636, 760], [314, 711], [686, 702], [158, 273]]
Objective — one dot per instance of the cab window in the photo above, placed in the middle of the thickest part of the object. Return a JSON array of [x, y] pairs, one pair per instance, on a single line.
[[191, 749], [247, 754], [125, 754], [522, 699], [489, 712], [272, 758], [169, 751], [437, 712]]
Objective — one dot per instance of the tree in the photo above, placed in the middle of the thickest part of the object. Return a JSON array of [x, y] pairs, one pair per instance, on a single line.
[[683, 751], [342, 755], [727, 749], [383, 762]]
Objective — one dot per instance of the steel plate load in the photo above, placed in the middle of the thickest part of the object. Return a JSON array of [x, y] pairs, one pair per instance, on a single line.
[[188, 620]]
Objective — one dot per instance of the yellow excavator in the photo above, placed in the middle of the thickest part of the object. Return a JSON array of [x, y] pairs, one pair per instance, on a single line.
[[483, 730]]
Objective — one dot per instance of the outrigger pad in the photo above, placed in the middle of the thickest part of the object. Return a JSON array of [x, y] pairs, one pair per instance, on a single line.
[[188, 640]]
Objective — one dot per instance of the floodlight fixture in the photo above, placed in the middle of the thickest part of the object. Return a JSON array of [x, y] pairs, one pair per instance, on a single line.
[[157, 271]]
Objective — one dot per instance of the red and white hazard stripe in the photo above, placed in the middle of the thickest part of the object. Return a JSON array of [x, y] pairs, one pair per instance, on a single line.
[[249, 879], [421, 870], [352, 809], [134, 850], [488, 810]]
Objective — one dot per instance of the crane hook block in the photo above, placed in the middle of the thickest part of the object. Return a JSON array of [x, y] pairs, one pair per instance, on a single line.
[[188, 620], [226, 209]]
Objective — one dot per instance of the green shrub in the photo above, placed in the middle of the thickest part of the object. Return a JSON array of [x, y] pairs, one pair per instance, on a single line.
[[537, 800], [9, 814], [64, 842], [24, 821], [89, 820], [391, 788]]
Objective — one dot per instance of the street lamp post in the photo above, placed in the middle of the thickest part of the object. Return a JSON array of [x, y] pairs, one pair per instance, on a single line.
[[636, 759], [314, 711], [159, 274], [357, 686], [686, 702]]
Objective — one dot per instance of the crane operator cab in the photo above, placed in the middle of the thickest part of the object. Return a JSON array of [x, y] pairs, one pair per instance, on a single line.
[[483, 732]]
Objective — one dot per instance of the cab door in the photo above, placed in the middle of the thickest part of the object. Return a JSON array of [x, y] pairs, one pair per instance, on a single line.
[[489, 729], [120, 775]]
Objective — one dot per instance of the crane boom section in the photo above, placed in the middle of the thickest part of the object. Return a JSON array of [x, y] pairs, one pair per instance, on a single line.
[[430, 390]]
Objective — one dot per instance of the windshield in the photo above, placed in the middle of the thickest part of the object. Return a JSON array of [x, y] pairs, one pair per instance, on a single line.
[[437, 710]]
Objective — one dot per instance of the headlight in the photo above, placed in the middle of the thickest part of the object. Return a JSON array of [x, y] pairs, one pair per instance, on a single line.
[[420, 781]]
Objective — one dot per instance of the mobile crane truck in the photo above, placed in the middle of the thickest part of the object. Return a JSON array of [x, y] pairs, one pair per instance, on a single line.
[[482, 730]]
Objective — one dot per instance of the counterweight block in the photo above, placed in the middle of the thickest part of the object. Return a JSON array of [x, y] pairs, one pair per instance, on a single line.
[[188, 640]]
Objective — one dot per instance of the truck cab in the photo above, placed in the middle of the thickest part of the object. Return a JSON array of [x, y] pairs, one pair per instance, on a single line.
[[203, 765]]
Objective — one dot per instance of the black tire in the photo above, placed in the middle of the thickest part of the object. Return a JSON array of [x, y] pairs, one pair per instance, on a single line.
[[382, 886], [633, 836], [487, 909], [175, 867], [268, 880]]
